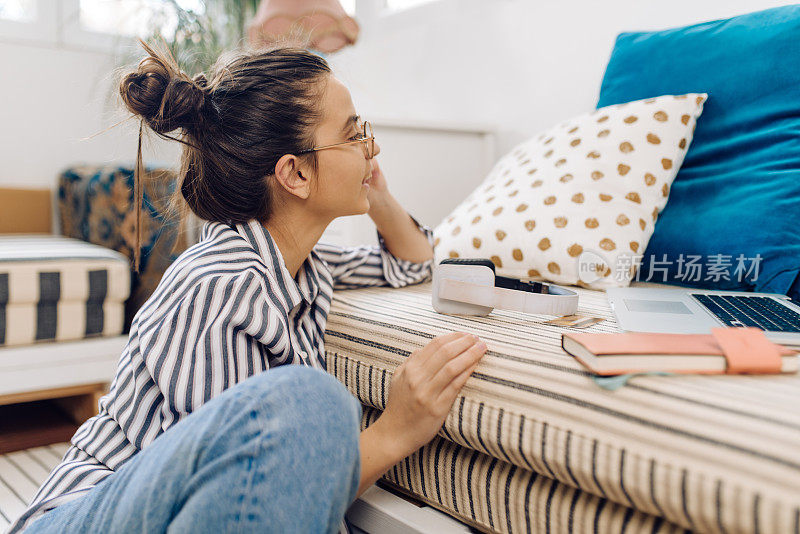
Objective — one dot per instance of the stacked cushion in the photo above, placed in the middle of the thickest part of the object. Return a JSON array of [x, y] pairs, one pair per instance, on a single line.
[[533, 444], [498, 496], [54, 288], [577, 204], [738, 191]]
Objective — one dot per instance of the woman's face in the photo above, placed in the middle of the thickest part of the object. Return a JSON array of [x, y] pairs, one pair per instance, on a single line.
[[343, 172]]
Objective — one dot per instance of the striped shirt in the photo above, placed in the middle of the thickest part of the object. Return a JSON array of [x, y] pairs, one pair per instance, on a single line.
[[225, 310]]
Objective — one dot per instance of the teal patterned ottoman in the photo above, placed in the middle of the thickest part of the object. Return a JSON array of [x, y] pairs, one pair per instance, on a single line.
[[96, 205]]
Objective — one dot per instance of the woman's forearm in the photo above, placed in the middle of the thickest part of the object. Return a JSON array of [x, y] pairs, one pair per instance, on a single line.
[[400, 233], [379, 451]]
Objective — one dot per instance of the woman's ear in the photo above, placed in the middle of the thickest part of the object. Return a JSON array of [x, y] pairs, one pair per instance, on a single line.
[[291, 177]]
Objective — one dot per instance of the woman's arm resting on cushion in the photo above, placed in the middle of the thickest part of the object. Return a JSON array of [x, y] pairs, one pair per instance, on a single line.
[[401, 234], [421, 394]]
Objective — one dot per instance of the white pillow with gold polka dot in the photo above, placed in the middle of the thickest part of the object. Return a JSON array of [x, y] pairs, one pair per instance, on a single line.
[[577, 204]]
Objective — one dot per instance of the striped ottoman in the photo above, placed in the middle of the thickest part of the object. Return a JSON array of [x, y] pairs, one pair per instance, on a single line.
[[54, 288], [534, 445]]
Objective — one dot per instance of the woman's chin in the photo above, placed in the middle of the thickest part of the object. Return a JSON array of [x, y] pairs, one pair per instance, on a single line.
[[360, 207]]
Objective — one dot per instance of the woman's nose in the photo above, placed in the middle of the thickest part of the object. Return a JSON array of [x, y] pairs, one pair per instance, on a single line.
[[377, 149]]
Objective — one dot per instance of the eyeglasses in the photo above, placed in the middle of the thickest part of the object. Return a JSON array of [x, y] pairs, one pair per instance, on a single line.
[[367, 137]]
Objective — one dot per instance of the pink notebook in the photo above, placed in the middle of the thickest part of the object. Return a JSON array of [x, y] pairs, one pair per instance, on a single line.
[[725, 350]]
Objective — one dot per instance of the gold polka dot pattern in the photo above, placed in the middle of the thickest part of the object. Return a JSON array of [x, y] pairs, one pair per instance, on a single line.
[[593, 184]]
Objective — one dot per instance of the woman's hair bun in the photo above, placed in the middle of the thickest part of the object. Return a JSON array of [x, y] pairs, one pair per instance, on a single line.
[[164, 96], [201, 81]]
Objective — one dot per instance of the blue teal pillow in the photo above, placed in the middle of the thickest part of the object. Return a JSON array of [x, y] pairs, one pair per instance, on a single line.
[[736, 200]]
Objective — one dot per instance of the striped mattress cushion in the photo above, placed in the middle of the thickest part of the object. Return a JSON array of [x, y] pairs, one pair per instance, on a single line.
[[54, 288], [707, 453], [495, 495]]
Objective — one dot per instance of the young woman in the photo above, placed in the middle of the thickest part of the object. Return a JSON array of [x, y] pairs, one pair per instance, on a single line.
[[206, 428]]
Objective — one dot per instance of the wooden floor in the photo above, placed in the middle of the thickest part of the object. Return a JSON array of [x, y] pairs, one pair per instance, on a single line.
[[21, 474]]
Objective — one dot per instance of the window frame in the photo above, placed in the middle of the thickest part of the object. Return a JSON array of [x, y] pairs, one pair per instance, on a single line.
[[370, 10], [392, 11], [75, 35], [43, 29], [57, 23]]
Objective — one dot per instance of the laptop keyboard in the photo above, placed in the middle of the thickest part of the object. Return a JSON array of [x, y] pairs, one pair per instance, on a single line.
[[765, 313]]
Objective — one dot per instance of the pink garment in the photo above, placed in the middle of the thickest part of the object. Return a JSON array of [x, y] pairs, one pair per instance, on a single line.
[[321, 25]]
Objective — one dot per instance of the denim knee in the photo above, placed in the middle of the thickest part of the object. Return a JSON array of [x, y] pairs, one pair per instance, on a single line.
[[305, 391]]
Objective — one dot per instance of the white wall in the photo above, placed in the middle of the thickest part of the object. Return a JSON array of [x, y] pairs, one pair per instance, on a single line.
[[523, 65], [519, 64], [50, 99]]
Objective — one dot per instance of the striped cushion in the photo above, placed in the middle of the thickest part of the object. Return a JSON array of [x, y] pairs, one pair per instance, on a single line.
[[54, 288], [496, 495], [705, 453]]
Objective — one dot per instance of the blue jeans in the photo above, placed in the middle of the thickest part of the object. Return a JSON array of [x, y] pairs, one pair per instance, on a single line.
[[278, 452]]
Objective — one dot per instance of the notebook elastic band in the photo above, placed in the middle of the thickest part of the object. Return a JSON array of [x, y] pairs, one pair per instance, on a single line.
[[748, 350]]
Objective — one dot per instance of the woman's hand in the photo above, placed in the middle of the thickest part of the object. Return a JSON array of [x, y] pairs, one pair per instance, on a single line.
[[425, 386], [378, 194], [399, 231]]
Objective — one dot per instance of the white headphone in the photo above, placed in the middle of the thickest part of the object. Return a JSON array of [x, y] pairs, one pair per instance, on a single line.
[[470, 287]]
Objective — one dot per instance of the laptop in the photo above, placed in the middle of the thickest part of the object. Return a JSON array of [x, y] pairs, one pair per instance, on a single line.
[[696, 311]]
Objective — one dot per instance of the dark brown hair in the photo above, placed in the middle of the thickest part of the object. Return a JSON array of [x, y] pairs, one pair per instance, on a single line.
[[235, 125]]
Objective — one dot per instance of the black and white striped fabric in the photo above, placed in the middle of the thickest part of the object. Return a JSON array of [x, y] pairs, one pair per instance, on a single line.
[[54, 288], [225, 310], [492, 494], [705, 453]]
